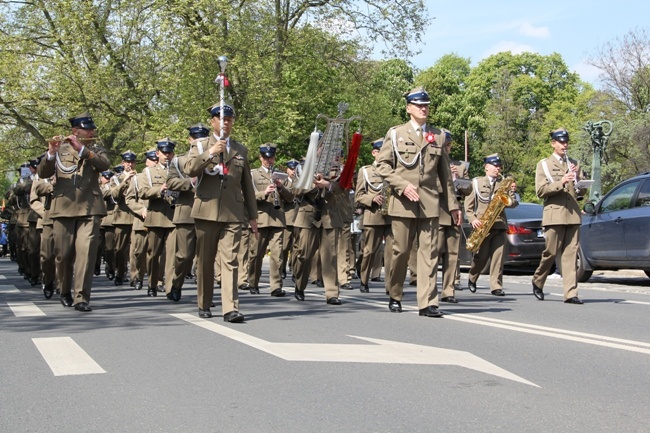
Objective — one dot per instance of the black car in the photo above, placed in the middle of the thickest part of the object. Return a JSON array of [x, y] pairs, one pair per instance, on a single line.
[[525, 237], [615, 232]]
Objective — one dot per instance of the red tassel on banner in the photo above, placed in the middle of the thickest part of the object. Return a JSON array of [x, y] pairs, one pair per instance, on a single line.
[[345, 181]]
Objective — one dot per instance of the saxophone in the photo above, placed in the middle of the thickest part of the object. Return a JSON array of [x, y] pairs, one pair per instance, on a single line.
[[500, 199]]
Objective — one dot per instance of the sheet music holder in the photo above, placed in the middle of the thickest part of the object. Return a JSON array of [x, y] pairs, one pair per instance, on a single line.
[[582, 184]]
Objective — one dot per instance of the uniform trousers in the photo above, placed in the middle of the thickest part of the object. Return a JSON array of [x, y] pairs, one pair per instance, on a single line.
[[343, 259], [47, 255], [306, 247], [138, 255], [122, 247], [159, 241], [561, 240], [107, 248], [405, 233], [226, 238], [448, 246], [75, 248], [22, 240], [34, 251], [373, 238], [287, 242], [271, 238], [493, 247], [183, 256]]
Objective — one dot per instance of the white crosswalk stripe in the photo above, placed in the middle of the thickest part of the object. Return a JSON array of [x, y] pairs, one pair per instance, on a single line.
[[25, 309], [8, 289], [65, 357]]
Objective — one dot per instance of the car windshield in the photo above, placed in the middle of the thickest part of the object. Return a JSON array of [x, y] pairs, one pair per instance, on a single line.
[[525, 211]]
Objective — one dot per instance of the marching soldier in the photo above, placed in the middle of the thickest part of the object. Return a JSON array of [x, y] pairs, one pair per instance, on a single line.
[[371, 197], [158, 220], [494, 244], [413, 162], [271, 196], [555, 179], [106, 247], [224, 198], [185, 250], [289, 216], [77, 208], [41, 199], [21, 193], [449, 233], [122, 216]]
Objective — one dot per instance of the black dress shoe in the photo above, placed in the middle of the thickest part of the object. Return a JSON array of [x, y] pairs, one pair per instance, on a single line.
[[152, 291], [137, 285], [110, 275], [471, 286], [364, 288], [430, 311], [299, 294], [413, 283], [278, 293], [394, 306], [347, 286], [119, 281], [48, 290], [538, 292], [498, 292], [334, 301], [83, 306], [244, 286], [574, 300], [66, 300], [458, 287], [318, 283], [211, 304], [283, 274], [254, 290], [160, 288], [174, 295], [98, 270], [377, 279], [205, 314], [449, 300], [233, 317]]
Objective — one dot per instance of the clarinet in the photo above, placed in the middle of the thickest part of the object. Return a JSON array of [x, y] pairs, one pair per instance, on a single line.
[[276, 194]]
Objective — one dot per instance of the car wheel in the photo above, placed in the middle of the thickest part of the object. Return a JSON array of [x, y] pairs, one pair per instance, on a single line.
[[582, 274]]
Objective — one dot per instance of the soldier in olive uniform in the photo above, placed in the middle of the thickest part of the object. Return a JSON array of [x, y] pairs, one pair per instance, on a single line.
[[158, 221], [77, 208], [413, 162], [494, 245], [271, 196], [179, 182], [106, 247], [122, 216], [289, 216], [555, 179], [224, 198], [370, 196]]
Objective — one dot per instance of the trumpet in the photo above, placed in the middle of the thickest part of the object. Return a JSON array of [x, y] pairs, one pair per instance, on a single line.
[[276, 194], [62, 139]]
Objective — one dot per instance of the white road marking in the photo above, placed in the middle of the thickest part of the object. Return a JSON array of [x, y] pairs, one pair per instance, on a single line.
[[598, 340], [382, 351], [8, 289], [2, 277], [65, 357], [25, 309], [634, 302]]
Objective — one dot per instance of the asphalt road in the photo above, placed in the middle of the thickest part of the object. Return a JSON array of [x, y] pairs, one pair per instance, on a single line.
[[512, 364]]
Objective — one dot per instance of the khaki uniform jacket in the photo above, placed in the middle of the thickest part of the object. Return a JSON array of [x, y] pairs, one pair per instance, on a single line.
[[560, 202], [159, 209], [445, 215], [181, 183], [135, 202], [107, 221], [412, 160], [476, 204], [40, 199], [290, 207], [22, 190], [122, 215], [307, 210], [370, 185], [267, 215], [76, 193], [229, 200]]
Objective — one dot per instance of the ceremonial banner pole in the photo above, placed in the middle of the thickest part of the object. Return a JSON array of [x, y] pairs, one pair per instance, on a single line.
[[223, 82]]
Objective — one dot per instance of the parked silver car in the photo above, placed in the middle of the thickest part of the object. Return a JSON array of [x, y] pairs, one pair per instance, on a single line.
[[615, 232]]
